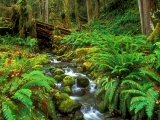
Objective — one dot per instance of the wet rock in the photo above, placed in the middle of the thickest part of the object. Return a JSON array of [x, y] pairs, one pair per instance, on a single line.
[[68, 81], [58, 71], [68, 106], [67, 89], [82, 81], [58, 78]]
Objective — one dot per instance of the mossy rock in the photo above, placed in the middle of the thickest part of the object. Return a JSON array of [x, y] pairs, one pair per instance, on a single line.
[[58, 78], [93, 74], [58, 71], [86, 66], [79, 69], [80, 117], [69, 81], [68, 106], [37, 67], [63, 96], [39, 59], [67, 89], [59, 97], [85, 51], [82, 81]]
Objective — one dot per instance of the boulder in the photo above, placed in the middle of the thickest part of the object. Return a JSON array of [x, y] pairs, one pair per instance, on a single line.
[[69, 81], [58, 71], [82, 81]]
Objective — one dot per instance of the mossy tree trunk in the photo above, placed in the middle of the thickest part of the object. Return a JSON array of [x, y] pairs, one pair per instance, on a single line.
[[22, 22], [66, 20]]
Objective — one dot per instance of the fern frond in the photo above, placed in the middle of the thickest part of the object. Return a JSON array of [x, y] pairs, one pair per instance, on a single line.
[[29, 84], [37, 75], [140, 106], [16, 82], [133, 84], [124, 103], [51, 108], [133, 76], [23, 95], [113, 89], [116, 98], [134, 91], [135, 101], [9, 108], [147, 86]]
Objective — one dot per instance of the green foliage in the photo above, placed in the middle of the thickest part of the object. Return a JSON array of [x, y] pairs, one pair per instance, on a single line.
[[28, 42], [143, 97], [120, 17], [20, 92]]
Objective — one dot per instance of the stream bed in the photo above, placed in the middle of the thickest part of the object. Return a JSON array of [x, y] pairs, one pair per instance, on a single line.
[[85, 96]]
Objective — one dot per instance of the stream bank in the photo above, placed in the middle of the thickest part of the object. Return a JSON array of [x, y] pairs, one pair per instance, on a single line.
[[83, 93]]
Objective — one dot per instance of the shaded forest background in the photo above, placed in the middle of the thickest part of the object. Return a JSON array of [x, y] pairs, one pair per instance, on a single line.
[[111, 16]]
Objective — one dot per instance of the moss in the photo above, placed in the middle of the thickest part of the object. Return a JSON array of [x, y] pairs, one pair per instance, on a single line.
[[94, 74], [68, 81], [21, 20], [59, 71], [60, 97], [79, 69], [67, 89], [85, 51], [39, 59], [58, 78], [156, 32], [68, 105], [86, 65], [80, 117], [63, 96], [38, 67]]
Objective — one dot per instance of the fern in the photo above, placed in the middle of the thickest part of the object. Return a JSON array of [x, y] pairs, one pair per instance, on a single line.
[[23, 95], [36, 83], [8, 108], [144, 97]]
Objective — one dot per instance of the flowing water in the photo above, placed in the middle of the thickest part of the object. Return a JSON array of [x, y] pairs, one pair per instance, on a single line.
[[87, 100]]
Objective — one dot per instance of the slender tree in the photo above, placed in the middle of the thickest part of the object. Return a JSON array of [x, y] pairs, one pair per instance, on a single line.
[[97, 9], [46, 11], [89, 9]]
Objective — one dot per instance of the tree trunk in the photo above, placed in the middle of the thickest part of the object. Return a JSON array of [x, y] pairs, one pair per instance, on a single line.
[[66, 19], [76, 14], [97, 8], [147, 8], [46, 11], [145, 16], [89, 9]]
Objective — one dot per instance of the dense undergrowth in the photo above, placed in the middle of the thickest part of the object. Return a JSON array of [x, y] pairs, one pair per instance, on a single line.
[[126, 69], [25, 92], [125, 66]]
